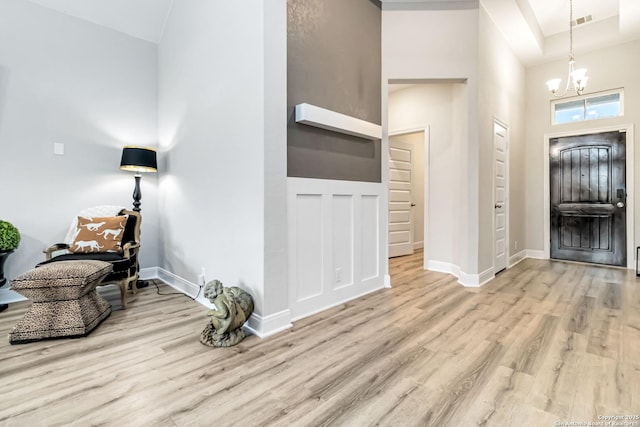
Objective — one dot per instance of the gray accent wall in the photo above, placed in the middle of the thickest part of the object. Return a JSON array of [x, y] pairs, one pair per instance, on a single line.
[[333, 62]]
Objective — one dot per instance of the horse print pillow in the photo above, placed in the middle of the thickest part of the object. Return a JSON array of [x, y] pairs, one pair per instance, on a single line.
[[99, 234]]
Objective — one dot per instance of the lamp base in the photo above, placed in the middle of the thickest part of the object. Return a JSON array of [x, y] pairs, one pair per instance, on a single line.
[[141, 284], [137, 194]]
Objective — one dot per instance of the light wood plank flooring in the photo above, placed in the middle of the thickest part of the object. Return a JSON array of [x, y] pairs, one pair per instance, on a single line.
[[544, 342]]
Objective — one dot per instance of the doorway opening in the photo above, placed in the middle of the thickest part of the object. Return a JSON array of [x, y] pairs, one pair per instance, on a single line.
[[438, 109], [408, 162]]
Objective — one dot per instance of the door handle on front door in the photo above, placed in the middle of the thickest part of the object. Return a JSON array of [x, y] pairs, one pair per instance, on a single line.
[[620, 205]]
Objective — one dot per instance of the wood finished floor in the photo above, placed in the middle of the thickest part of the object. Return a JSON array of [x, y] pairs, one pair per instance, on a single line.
[[544, 342]]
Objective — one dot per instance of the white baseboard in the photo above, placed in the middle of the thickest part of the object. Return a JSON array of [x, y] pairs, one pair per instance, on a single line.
[[257, 324], [441, 267], [336, 303], [178, 283], [269, 325], [465, 279], [418, 245], [387, 281], [536, 254], [148, 273], [486, 276], [475, 280], [514, 259]]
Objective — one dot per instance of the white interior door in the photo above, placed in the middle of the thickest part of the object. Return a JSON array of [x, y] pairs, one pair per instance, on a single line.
[[400, 199], [500, 196]]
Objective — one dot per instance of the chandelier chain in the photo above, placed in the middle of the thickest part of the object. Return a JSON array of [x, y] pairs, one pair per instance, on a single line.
[[571, 30], [576, 79]]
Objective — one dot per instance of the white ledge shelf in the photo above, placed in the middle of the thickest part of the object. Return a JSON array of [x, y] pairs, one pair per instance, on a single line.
[[326, 119]]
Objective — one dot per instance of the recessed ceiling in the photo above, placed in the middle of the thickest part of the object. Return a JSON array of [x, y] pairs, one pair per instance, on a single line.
[[537, 30], [144, 19], [553, 15]]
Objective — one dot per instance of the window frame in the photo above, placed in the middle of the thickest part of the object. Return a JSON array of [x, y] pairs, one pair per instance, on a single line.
[[584, 99]]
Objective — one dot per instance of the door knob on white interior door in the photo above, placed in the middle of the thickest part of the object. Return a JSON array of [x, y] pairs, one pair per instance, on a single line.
[[499, 205], [413, 204]]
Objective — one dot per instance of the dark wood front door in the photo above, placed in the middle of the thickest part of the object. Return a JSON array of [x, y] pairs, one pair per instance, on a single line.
[[588, 198]]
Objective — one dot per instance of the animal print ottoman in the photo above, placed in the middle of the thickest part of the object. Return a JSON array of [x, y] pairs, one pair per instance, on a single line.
[[65, 301]]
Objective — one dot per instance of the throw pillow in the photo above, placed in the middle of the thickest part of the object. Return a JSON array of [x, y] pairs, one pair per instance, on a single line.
[[99, 234]]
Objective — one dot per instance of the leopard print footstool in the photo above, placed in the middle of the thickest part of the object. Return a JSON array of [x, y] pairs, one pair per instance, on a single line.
[[65, 301]]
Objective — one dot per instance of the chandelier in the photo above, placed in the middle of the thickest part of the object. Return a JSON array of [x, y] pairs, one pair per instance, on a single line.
[[576, 79]]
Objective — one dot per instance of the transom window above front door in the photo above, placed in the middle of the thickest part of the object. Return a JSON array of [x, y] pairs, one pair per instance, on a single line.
[[588, 107]]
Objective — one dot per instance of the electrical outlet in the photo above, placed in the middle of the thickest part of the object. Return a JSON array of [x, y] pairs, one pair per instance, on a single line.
[[338, 275]]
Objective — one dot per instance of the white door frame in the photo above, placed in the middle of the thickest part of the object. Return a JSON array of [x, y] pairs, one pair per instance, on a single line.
[[629, 173], [425, 130], [507, 199]]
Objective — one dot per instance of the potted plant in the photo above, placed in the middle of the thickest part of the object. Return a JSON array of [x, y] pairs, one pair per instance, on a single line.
[[9, 241]]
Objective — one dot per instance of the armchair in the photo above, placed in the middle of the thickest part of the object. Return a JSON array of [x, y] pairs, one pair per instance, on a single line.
[[90, 237]]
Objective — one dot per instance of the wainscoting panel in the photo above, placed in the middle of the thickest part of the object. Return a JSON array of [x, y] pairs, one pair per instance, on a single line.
[[342, 222], [334, 242], [309, 241], [370, 237]]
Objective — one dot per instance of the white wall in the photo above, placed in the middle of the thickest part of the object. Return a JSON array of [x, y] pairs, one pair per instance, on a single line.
[[222, 71], [431, 105], [610, 68], [410, 53], [95, 90], [501, 95], [469, 48]]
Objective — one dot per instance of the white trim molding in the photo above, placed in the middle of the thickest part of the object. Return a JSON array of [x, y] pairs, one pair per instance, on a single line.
[[178, 283], [269, 325], [261, 326], [387, 281], [148, 273], [536, 254], [467, 280], [441, 267], [516, 258], [330, 120], [475, 280]]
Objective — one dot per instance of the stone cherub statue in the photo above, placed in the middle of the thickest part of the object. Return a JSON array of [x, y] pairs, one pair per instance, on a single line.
[[233, 306]]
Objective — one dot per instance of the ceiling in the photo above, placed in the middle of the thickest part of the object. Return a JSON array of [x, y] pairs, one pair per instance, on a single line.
[[143, 19], [535, 29]]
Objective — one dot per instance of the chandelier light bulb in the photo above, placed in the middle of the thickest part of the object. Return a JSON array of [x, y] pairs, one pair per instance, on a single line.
[[554, 85], [579, 74]]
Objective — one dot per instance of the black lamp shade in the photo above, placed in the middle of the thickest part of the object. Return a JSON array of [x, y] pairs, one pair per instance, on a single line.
[[139, 159]]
